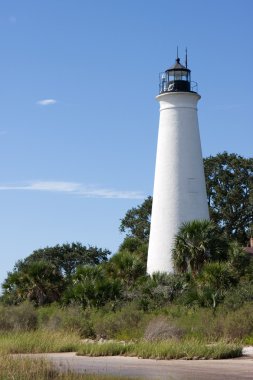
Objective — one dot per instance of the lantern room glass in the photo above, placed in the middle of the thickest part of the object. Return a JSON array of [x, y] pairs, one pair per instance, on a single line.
[[179, 75]]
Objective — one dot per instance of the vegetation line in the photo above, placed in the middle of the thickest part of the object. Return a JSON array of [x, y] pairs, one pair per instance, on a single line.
[[189, 349]]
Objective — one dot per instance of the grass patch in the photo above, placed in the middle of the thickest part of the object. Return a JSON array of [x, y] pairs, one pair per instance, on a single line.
[[172, 349], [248, 340], [38, 341], [39, 369]]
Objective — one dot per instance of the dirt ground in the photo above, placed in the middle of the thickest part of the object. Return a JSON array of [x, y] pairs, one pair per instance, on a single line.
[[233, 369]]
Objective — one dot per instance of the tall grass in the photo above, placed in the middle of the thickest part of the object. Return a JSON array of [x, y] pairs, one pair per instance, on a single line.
[[39, 369], [38, 341], [129, 323], [171, 349], [43, 341]]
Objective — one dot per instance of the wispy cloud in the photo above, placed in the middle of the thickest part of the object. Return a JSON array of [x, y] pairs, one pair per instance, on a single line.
[[75, 189], [46, 102]]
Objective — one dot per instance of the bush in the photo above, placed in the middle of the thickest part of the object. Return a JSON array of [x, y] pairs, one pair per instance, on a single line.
[[18, 318], [238, 258], [91, 287], [162, 329], [72, 318], [160, 289], [237, 324], [126, 323], [238, 296]]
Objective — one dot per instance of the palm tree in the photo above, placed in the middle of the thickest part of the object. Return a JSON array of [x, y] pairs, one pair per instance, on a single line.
[[39, 282], [127, 266], [213, 282], [92, 288], [196, 243]]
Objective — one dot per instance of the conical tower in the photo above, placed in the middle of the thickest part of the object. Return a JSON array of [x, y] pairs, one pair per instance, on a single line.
[[179, 186]]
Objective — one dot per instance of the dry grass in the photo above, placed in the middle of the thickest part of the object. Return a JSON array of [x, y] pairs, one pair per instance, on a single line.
[[171, 349], [38, 341], [39, 369], [160, 328]]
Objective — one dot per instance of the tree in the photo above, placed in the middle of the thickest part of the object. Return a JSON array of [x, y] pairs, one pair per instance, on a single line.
[[92, 288], [39, 282], [213, 282], [136, 222], [160, 289], [229, 180], [127, 267], [67, 257], [238, 259], [196, 243], [136, 246], [43, 276]]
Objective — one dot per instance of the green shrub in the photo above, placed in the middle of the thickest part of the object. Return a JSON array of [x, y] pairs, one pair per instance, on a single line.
[[18, 318], [91, 287], [236, 297], [71, 318], [160, 289], [126, 323], [237, 324]]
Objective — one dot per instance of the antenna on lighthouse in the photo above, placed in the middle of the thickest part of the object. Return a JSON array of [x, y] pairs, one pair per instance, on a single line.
[[177, 52], [186, 63]]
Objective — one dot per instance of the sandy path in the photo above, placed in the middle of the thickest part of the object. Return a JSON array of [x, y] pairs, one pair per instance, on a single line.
[[233, 369]]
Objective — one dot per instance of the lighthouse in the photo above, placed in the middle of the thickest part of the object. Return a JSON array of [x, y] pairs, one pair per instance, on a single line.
[[179, 187]]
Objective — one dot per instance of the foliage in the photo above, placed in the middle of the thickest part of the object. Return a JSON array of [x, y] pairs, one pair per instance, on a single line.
[[238, 259], [126, 323], [160, 328], [67, 257], [26, 369], [127, 267], [92, 288], [60, 329], [213, 282], [171, 349], [71, 318], [136, 222], [18, 318], [237, 296], [160, 289], [43, 276], [235, 324], [196, 243], [229, 180], [38, 341], [12, 368], [136, 246], [38, 281]]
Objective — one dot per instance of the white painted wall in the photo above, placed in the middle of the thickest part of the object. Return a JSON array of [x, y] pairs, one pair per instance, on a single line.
[[179, 186]]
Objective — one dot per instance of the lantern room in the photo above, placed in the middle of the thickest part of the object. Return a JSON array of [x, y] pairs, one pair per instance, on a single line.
[[176, 79]]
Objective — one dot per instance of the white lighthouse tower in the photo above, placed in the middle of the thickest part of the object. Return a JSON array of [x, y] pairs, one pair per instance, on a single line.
[[179, 187]]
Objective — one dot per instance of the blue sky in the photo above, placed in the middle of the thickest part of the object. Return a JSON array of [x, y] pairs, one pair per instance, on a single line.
[[78, 115]]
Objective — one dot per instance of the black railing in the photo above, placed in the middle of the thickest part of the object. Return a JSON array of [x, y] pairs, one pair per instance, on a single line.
[[169, 85]]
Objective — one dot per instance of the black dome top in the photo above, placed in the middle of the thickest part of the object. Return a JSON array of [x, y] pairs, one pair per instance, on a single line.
[[177, 66], [177, 78]]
